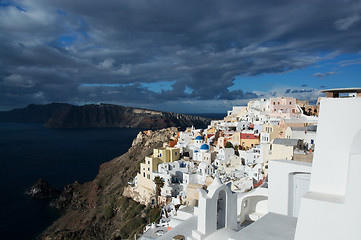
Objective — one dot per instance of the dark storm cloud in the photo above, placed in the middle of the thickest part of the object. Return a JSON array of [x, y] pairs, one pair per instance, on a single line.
[[50, 50], [303, 91], [322, 75]]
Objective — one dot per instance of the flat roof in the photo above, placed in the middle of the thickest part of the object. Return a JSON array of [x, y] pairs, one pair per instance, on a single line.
[[286, 141], [342, 90], [154, 233], [272, 226]]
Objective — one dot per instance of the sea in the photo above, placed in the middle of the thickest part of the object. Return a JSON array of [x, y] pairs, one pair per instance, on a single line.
[[60, 156]]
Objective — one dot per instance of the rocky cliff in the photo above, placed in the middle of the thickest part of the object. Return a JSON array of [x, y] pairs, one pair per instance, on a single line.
[[58, 115], [97, 209], [107, 115], [32, 113]]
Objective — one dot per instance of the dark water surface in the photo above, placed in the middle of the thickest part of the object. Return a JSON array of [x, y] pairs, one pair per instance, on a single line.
[[60, 156]]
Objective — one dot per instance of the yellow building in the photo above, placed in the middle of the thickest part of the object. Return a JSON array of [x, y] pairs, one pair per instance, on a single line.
[[211, 130], [145, 177], [249, 140], [150, 165], [273, 129], [167, 154]]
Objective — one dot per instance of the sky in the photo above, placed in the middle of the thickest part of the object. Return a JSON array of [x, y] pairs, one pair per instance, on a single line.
[[181, 56]]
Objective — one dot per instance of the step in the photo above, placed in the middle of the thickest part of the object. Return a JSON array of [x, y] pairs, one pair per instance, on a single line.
[[197, 235]]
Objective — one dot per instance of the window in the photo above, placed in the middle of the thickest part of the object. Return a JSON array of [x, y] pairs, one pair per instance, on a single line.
[[144, 174], [274, 103], [278, 103], [312, 141], [148, 176], [160, 155], [148, 162], [290, 103], [176, 153], [148, 169]]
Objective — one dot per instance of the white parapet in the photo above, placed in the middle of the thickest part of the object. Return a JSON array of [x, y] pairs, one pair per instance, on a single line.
[[331, 209]]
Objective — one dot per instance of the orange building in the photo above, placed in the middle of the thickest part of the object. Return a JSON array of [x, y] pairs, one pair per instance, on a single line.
[[249, 140]]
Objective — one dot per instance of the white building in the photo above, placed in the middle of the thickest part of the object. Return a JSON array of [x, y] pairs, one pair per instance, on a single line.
[[262, 105], [251, 156], [304, 201], [223, 155]]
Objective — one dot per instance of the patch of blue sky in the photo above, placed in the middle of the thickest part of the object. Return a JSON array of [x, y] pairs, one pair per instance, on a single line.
[[344, 71], [60, 12], [188, 90], [72, 33], [66, 40], [5, 4], [84, 34], [158, 87], [10, 4]]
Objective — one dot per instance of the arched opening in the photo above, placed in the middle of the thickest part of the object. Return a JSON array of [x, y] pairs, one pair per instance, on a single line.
[[252, 208], [221, 210]]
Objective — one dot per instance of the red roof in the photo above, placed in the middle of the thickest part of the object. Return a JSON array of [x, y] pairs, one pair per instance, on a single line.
[[248, 136]]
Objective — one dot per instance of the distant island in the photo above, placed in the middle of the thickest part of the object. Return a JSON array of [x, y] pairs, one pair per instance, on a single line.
[[62, 115]]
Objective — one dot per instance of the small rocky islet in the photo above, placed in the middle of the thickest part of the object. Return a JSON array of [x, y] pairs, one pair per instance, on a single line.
[[42, 189]]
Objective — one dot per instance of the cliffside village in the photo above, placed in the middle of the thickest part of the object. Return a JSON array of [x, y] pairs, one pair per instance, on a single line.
[[237, 147], [228, 165]]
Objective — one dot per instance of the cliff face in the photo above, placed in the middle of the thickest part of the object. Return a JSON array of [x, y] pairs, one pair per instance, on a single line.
[[57, 115], [97, 209], [32, 113], [106, 115]]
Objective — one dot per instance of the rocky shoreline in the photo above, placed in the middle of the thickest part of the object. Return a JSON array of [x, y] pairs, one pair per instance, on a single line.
[[97, 209]]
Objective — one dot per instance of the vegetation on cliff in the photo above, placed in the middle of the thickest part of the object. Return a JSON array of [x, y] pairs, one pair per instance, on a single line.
[[97, 209]]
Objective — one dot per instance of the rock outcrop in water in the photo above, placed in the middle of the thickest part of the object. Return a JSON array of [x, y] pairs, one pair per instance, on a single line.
[[59, 115], [97, 209], [42, 189]]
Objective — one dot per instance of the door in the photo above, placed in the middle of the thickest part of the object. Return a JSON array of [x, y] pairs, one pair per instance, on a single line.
[[301, 186]]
